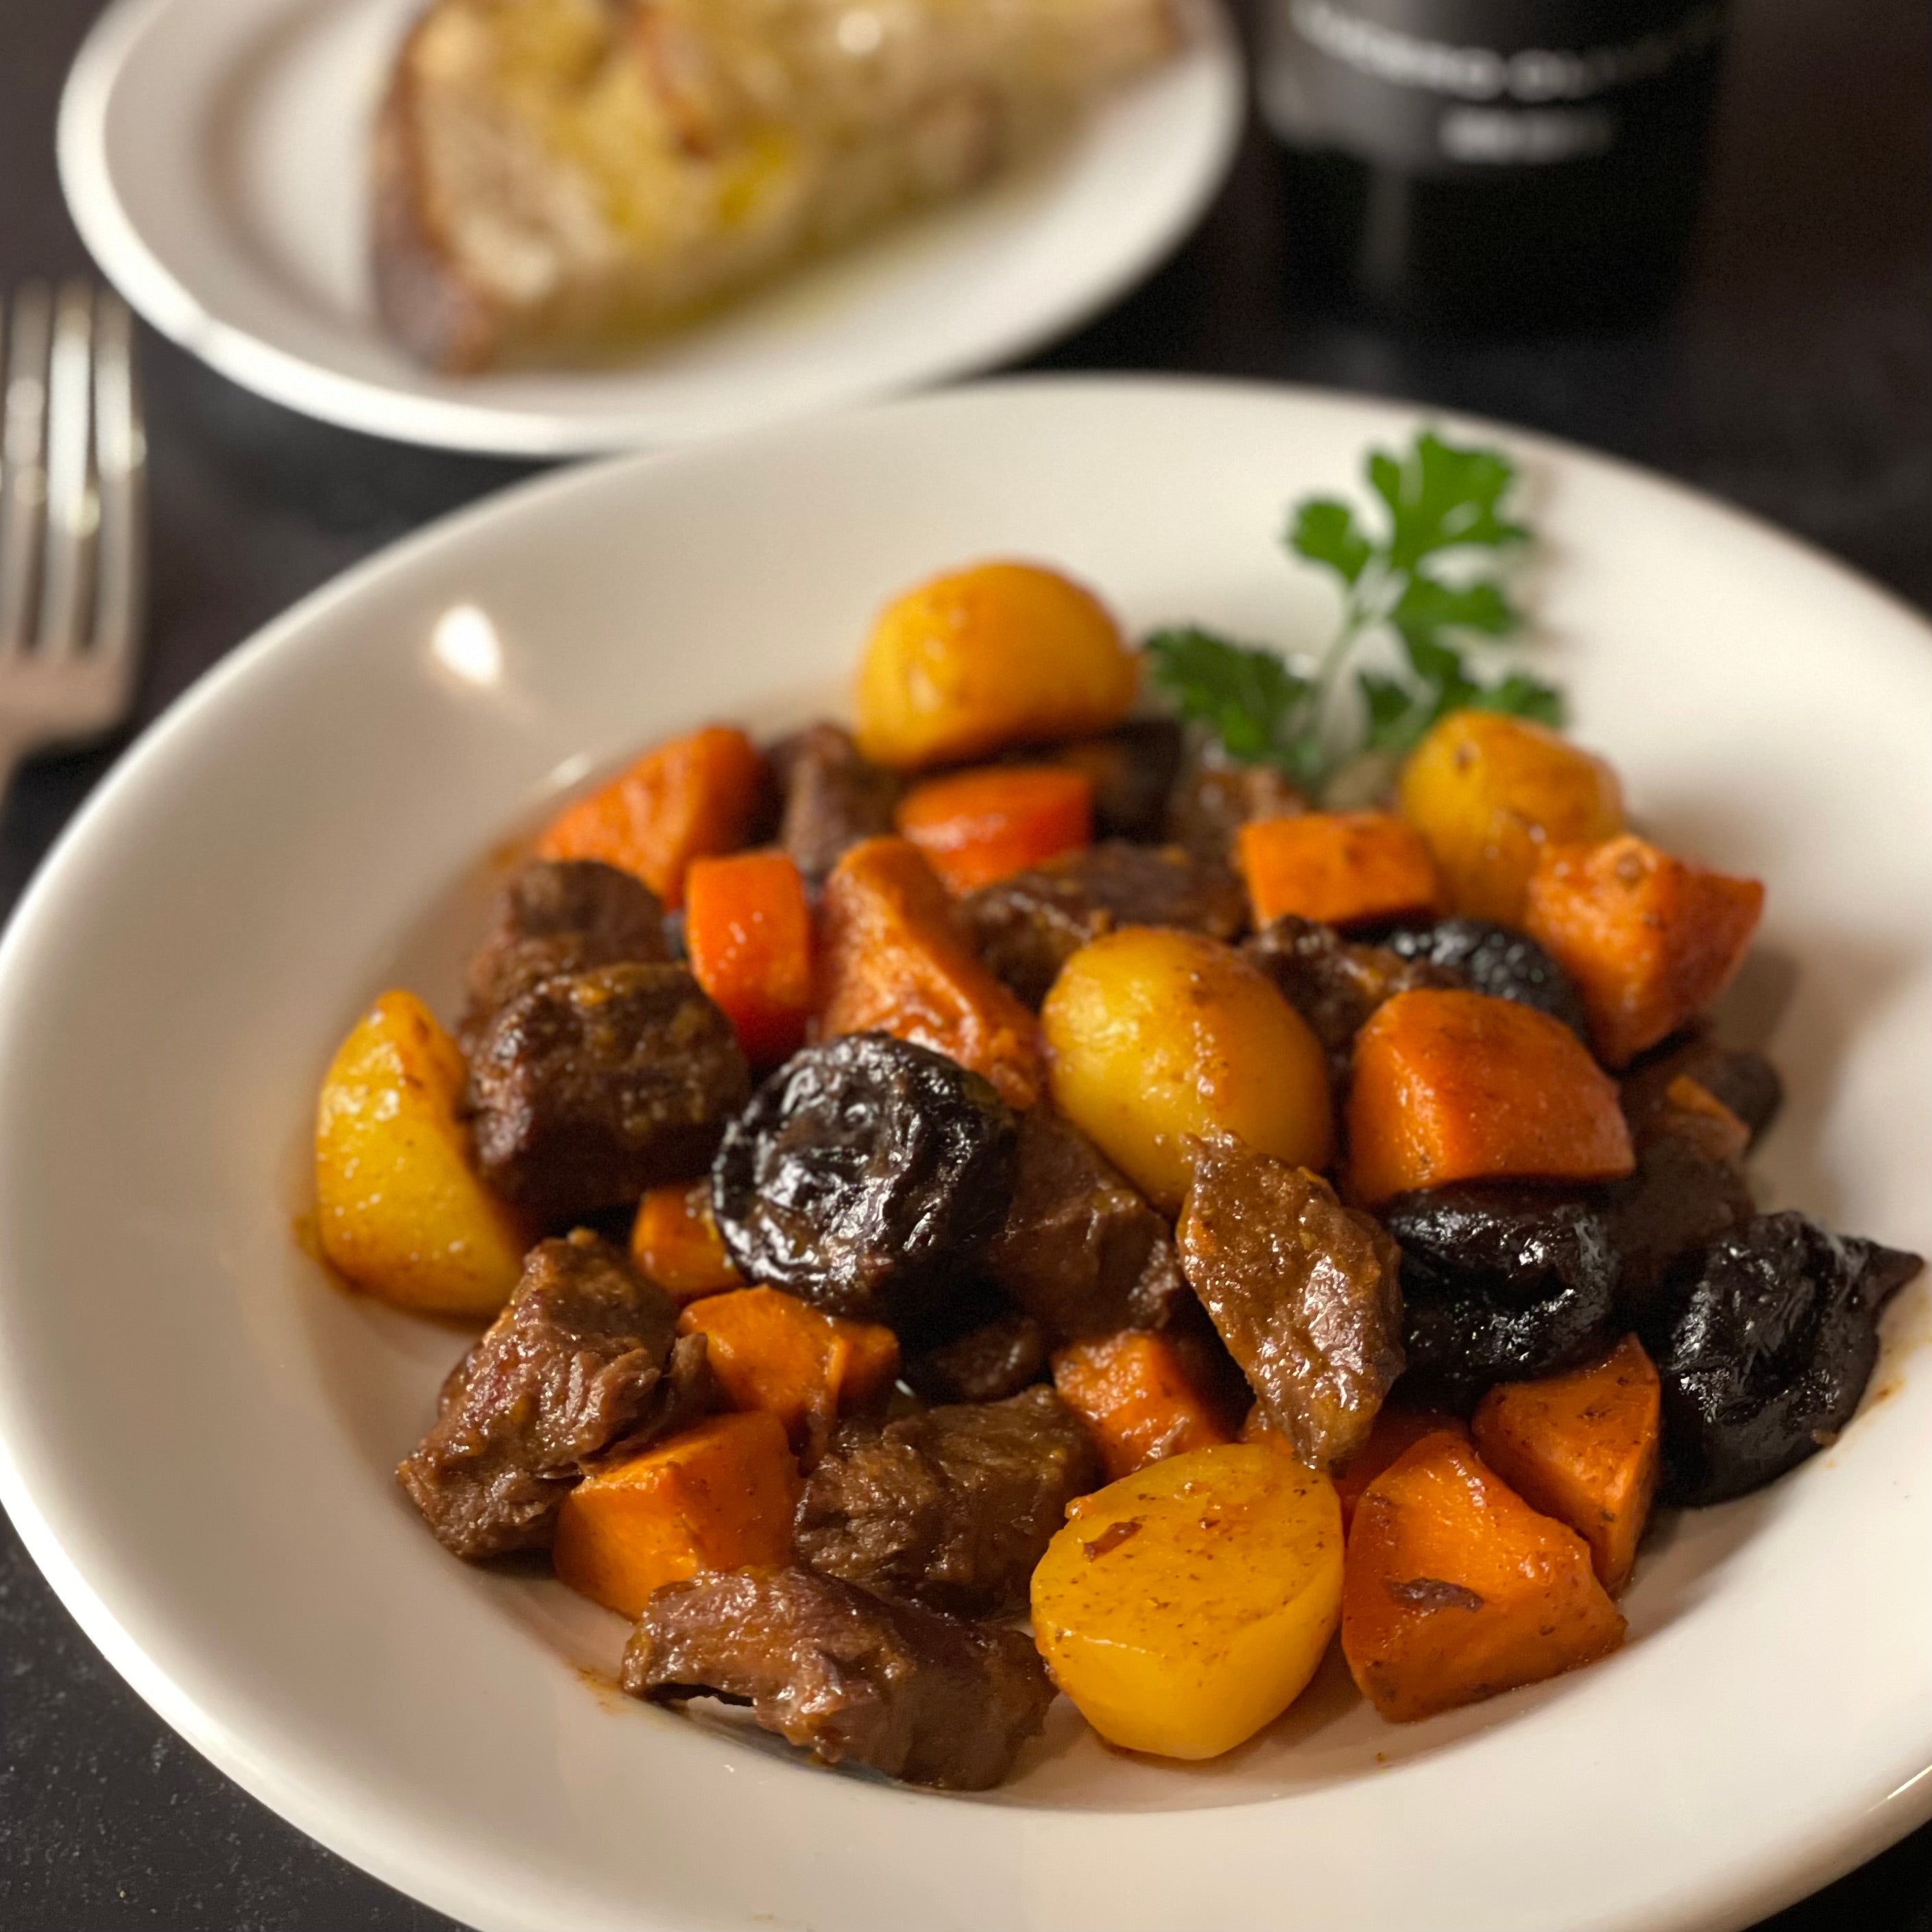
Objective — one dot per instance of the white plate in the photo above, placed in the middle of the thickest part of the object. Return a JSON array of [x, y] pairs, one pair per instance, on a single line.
[[214, 154], [198, 1430]]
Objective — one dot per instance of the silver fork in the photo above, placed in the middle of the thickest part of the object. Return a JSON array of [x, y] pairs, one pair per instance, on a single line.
[[72, 520]]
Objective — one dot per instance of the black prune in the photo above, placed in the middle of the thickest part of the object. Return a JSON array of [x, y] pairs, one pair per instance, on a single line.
[[987, 1363], [865, 1173], [1500, 1281], [1767, 1361], [1495, 959]]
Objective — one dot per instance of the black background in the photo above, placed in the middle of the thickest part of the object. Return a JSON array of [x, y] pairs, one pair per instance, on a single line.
[[1795, 379]]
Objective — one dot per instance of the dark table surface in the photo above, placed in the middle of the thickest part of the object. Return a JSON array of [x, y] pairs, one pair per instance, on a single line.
[[1795, 379]]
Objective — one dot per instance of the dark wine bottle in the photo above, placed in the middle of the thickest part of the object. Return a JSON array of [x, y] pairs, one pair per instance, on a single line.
[[1492, 165]]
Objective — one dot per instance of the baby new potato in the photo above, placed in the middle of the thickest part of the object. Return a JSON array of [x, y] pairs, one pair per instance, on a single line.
[[1154, 1036], [1185, 1606], [1001, 654], [399, 1209]]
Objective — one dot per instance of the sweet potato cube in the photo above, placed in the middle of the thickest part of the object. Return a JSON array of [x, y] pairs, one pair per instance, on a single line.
[[1341, 868], [977, 826], [1455, 1589], [1144, 1395], [1398, 1428], [692, 797], [676, 1242], [892, 958], [1450, 1085], [1582, 1448], [774, 1352], [719, 1496], [1650, 939]]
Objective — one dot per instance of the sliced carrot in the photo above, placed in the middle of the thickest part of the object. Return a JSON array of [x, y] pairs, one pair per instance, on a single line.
[[1449, 1085], [1582, 1448], [774, 1352], [1142, 1397], [892, 958], [717, 1497], [1341, 868], [1650, 939], [1455, 1589], [686, 798], [676, 1242], [979, 825], [748, 930]]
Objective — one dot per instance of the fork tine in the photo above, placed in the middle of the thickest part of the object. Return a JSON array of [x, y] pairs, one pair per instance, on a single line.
[[71, 507], [23, 464], [121, 454]]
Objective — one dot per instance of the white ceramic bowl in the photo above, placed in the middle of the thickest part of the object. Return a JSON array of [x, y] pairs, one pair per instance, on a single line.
[[198, 1429]]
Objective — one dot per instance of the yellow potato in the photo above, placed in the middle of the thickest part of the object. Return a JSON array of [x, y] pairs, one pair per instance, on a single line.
[[1185, 1606], [1487, 792], [1001, 654], [399, 1210], [1154, 1036]]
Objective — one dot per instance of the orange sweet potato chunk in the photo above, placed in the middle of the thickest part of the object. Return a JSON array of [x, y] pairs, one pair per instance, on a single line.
[[676, 1242], [1454, 1588], [1450, 1085], [1582, 1448], [1650, 939], [774, 1352], [977, 826], [892, 958], [717, 1497], [1398, 1428], [1342, 868], [684, 799], [1143, 1396]]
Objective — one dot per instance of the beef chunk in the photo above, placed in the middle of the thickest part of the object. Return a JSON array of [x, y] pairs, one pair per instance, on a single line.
[[846, 1674], [592, 1087], [1495, 959], [951, 1508], [987, 1363], [1214, 797], [1080, 1251], [1132, 768], [1026, 927], [561, 915], [580, 1358], [1302, 1290], [1765, 1363], [833, 797], [1738, 1078]]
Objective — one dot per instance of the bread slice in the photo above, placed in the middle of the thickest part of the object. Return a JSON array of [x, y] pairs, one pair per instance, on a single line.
[[556, 179]]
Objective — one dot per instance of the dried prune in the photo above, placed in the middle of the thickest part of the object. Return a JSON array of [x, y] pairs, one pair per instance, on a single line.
[[1495, 959], [1773, 1347], [865, 1173], [1500, 1281], [987, 1363]]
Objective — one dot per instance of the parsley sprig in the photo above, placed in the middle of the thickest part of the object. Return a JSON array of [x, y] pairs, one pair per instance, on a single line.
[[1438, 502]]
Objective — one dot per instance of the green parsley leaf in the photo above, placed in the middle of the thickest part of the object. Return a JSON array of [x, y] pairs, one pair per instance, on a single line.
[[1246, 695], [1325, 531], [1442, 498]]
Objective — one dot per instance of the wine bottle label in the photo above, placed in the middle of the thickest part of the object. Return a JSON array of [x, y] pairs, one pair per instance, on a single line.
[[1466, 87]]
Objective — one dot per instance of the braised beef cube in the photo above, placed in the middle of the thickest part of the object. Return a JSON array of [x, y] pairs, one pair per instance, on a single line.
[[1080, 1251], [1132, 768], [1303, 1290], [1214, 796], [580, 1358], [1771, 1353], [561, 915], [865, 1176], [1501, 1282], [951, 1508], [592, 1087], [846, 1675], [1498, 960], [833, 797], [1027, 926], [987, 1363], [1738, 1078]]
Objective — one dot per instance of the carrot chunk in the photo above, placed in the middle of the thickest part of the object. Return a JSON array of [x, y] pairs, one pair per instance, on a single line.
[[1142, 1397], [892, 958], [717, 1497], [748, 930], [1454, 1588], [1582, 1448], [689, 797], [676, 1242], [1650, 939], [980, 826], [1342, 868], [773, 1352], [1458, 1086]]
